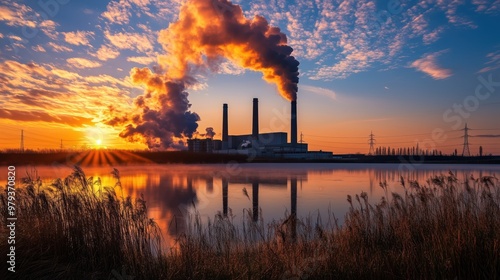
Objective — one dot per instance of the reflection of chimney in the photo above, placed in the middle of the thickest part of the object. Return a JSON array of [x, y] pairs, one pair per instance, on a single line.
[[293, 130], [293, 195], [293, 202], [255, 200], [224, 196], [210, 184], [255, 119], [225, 133]]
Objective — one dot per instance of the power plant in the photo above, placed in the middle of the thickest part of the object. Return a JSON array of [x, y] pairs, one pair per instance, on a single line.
[[262, 145]]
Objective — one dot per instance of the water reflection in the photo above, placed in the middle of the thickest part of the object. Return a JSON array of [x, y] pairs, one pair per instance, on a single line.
[[277, 190]]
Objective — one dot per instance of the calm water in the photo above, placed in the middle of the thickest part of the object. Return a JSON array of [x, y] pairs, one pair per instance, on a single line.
[[270, 189]]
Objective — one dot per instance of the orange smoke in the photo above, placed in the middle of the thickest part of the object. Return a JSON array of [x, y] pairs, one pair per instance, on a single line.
[[209, 30]]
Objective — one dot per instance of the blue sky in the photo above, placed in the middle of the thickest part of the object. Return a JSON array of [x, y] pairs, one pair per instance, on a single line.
[[394, 68]]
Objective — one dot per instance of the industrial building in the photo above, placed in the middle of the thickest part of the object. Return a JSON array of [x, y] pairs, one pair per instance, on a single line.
[[266, 145]]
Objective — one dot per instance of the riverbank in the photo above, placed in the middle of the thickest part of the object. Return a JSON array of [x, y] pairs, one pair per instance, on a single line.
[[123, 157]]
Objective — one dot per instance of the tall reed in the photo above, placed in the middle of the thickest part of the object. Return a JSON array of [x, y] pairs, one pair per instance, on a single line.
[[75, 228]]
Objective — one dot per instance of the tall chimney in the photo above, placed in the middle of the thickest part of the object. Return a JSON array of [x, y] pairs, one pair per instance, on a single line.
[[255, 119], [225, 133], [293, 130]]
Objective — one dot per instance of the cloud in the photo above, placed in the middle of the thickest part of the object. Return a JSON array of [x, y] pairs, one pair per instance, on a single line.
[[38, 91], [319, 91], [106, 52], [78, 37], [131, 41], [58, 48], [145, 60], [48, 27], [345, 37], [120, 12], [36, 116], [82, 63], [16, 38], [486, 6], [117, 12], [428, 65], [433, 36], [493, 62], [38, 48], [229, 68], [17, 15]]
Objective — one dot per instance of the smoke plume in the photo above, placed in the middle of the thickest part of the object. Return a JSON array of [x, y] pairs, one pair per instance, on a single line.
[[209, 30], [210, 133], [163, 118], [206, 33]]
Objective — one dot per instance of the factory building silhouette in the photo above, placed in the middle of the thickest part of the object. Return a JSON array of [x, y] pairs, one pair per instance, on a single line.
[[265, 145]]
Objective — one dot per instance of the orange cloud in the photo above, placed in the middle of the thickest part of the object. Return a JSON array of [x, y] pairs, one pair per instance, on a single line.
[[83, 63], [58, 48], [16, 18], [49, 28], [145, 60], [78, 37], [118, 12], [131, 41], [106, 52], [31, 116], [429, 66], [38, 48], [41, 92]]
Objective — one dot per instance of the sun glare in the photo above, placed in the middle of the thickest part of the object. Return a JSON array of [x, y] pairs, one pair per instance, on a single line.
[[98, 142]]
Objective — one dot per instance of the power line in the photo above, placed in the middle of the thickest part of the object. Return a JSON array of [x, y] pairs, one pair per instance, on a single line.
[[386, 136]]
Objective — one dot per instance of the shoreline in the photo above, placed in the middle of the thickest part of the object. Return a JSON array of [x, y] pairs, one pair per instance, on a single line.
[[119, 157]]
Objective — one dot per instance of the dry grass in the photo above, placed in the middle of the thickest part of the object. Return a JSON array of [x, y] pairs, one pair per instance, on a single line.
[[444, 229]]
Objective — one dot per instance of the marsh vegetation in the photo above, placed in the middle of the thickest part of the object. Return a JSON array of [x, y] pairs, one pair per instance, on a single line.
[[75, 228]]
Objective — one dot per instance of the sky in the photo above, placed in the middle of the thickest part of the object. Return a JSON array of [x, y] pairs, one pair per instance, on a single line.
[[78, 73]]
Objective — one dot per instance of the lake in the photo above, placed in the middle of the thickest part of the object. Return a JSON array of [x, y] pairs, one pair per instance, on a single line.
[[267, 191]]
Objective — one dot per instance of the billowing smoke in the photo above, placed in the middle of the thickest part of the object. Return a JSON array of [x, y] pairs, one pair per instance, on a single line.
[[210, 133], [163, 115], [207, 32]]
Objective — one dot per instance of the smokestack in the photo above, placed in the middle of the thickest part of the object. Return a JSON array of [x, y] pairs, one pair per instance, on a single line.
[[293, 130], [255, 119], [225, 133]]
